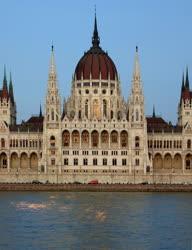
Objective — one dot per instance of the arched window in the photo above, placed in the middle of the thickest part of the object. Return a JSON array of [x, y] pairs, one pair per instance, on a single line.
[[2, 142], [105, 108], [52, 141], [79, 114], [96, 109], [66, 138], [137, 162], [52, 115], [86, 108], [188, 144], [111, 114], [137, 140], [137, 116], [114, 137]]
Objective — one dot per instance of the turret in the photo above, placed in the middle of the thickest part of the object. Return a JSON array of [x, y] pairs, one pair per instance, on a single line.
[[136, 102], [184, 107], [51, 158], [53, 104], [7, 103]]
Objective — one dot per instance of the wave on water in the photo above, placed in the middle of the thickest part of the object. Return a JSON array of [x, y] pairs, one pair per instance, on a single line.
[[24, 205], [100, 216]]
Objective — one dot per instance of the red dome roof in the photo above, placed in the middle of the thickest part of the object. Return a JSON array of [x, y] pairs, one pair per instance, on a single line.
[[95, 61]]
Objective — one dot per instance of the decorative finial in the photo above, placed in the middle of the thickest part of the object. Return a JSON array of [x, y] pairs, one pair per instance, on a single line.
[[136, 48], [187, 79], [95, 38], [40, 111], [52, 47], [5, 78]]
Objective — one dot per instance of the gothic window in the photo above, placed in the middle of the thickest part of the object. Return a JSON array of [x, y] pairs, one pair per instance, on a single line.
[[137, 115], [188, 144], [52, 141], [86, 108], [85, 137], [95, 138], [114, 137], [111, 114], [137, 140], [104, 137], [2, 142], [75, 162], [66, 162], [66, 138], [94, 161], [137, 162], [124, 138], [52, 115], [75, 137], [96, 109], [124, 162], [114, 162], [85, 161], [104, 162], [52, 162], [79, 114], [105, 108], [119, 115]]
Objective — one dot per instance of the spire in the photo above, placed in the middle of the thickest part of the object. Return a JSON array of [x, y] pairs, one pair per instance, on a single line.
[[52, 68], [136, 72], [11, 89], [40, 111], [187, 80], [154, 111], [95, 38], [5, 79]]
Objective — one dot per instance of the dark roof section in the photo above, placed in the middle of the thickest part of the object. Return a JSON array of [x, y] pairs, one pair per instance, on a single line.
[[33, 124], [158, 125], [95, 62]]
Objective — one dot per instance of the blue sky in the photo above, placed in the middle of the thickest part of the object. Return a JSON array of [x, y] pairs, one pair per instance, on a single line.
[[161, 29]]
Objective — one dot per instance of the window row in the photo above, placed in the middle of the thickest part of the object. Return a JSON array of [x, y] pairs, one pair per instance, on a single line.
[[94, 162], [25, 143], [165, 144]]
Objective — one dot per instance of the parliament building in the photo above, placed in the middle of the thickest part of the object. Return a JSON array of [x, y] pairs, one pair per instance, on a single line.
[[95, 134]]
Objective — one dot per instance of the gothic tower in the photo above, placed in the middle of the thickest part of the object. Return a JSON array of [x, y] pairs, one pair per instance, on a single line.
[[185, 107], [7, 102], [52, 122], [137, 120]]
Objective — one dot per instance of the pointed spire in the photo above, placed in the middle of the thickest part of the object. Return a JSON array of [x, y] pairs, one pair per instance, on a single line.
[[40, 111], [154, 111], [11, 89], [136, 72], [95, 38], [5, 79], [52, 69], [187, 80]]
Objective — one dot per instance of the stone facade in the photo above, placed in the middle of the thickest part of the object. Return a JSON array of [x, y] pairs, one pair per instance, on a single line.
[[95, 134]]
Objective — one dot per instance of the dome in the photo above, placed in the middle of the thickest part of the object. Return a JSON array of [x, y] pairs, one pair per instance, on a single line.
[[95, 62]]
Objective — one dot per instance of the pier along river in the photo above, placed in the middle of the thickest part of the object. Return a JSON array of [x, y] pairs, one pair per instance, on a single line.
[[100, 220]]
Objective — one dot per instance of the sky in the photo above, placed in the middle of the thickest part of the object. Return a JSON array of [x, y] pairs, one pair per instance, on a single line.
[[161, 30]]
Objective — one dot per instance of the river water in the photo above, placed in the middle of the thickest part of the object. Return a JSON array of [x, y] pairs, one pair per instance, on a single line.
[[69, 220]]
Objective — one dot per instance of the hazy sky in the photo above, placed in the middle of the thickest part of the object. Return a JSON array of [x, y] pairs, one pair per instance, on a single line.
[[162, 30]]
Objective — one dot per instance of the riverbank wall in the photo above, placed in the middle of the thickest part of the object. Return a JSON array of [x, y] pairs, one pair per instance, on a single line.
[[84, 178], [96, 187]]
